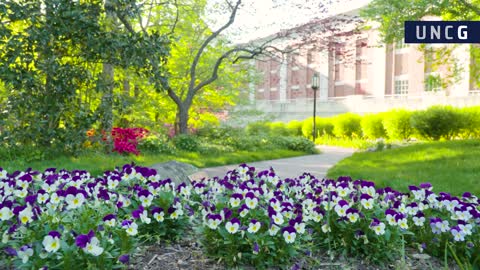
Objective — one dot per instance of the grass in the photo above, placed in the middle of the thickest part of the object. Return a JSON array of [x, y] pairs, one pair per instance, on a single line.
[[356, 143], [451, 166], [96, 163]]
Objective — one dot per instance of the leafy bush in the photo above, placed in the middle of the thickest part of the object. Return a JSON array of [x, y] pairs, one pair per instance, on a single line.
[[397, 124], [324, 127], [471, 122], [220, 132], [295, 127], [279, 129], [250, 143], [347, 125], [204, 119], [258, 128], [293, 143], [372, 126], [156, 144], [437, 122], [186, 142]]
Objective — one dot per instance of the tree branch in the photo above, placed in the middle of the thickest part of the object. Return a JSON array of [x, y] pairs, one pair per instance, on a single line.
[[155, 65], [175, 22], [192, 88], [476, 9]]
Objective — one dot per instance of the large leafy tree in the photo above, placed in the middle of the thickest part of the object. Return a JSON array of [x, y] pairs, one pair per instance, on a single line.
[[52, 55], [200, 55], [43, 69]]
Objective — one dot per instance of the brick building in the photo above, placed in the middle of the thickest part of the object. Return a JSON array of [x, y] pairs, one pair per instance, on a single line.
[[361, 66]]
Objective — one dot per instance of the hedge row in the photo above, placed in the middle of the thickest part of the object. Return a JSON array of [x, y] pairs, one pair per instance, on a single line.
[[434, 123], [226, 139]]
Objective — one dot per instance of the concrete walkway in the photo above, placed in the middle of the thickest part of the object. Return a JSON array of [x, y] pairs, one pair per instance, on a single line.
[[317, 165]]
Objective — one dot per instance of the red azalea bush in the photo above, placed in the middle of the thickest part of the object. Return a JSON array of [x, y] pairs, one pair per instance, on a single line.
[[125, 140]]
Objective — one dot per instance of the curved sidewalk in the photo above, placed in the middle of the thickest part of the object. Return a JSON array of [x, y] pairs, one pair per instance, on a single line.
[[317, 165]]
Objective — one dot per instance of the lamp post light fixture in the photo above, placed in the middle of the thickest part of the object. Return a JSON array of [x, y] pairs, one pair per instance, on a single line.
[[315, 86]]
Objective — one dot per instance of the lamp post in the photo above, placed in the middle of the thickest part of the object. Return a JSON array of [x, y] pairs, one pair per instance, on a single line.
[[315, 86]]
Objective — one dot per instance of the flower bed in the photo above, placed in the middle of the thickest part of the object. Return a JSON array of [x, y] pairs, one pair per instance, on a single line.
[[60, 219]]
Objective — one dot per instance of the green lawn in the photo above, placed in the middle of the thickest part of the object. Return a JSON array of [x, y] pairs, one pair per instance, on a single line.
[[451, 166], [97, 163]]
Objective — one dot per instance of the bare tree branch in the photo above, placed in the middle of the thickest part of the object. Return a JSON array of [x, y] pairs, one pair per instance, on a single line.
[[175, 22], [202, 48]]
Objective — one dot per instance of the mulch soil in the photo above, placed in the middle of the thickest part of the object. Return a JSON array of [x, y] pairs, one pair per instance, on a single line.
[[187, 255]]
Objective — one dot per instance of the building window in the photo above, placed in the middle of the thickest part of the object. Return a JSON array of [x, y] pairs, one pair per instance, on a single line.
[[295, 87], [401, 87]]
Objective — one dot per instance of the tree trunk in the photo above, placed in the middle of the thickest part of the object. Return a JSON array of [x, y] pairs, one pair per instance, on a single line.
[[182, 118], [106, 107]]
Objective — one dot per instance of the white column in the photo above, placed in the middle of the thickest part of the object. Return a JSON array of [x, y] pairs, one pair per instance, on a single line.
[[378, 60], [322, 68]]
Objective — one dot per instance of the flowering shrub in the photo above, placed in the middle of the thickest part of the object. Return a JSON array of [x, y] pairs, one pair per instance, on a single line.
[[72, 220], [125, 140], [77, 221]]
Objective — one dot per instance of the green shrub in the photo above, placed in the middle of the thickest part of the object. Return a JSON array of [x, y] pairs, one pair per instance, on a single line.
[[250, 142], [295, 127], [186, 142], [156, 144], [437, 122], [347, 125], [293, 143], [258, 128], [279, 129], [324, 127], [372, 126], [397, 124], [301, 144], [470, 122], [220, 132]]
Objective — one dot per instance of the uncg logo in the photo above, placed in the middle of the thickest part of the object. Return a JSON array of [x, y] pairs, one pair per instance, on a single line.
[[442, 32]]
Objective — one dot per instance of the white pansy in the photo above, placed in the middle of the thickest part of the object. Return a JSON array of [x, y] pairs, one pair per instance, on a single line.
[[5, 213], [254, 227], [24, 255], [160, 217], [26, 215], [231, 227], [278, 219], [93, 247], [144, 217], [51, 244], [74, 201], [289, 237]]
